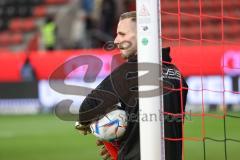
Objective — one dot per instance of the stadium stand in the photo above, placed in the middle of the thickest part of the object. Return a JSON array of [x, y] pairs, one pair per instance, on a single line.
[[19, 19], [40, 11], [8, 38], [20, 25], [22, 16]]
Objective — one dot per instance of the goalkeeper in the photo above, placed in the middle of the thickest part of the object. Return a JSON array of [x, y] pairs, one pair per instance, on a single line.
[[116, 88]]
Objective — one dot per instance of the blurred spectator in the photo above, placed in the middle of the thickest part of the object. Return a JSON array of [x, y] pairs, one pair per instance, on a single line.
[[105, 14], [65, 19], [87, 6], [120, 8], [96, 11], [88, 23], [78, 33], [104, 21], [27, 72], [33, 44], [130, 5], [108, 17], [48, 31]]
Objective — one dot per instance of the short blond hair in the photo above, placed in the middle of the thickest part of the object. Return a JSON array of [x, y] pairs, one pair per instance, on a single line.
[[131, 15]]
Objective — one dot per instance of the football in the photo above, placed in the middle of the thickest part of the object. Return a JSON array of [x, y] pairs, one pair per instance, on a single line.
[[111, 127]]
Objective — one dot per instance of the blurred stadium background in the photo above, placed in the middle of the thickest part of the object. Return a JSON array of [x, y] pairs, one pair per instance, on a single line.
[[37, 36]]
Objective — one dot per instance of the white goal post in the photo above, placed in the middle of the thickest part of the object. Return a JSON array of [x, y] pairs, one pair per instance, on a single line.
[[149, 51]]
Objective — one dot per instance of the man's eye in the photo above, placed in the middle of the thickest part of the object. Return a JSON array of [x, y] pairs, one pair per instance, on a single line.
[[122, 34]]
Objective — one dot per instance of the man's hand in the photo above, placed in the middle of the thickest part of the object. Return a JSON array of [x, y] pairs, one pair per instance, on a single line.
[[83, 129], [103, 151]]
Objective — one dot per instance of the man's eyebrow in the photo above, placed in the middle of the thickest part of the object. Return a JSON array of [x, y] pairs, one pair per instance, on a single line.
[[121, 33]]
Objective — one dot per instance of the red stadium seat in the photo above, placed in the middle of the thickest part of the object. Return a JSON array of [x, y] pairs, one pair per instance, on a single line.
[[40, 11], [29, 24], [56, 1], [16, 38], [4, 49], [4, 38], [15, 25], [7, 38], [19, 25]]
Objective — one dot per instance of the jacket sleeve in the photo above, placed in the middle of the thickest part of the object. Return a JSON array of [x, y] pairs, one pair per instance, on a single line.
[[99, 102], [113, 89]]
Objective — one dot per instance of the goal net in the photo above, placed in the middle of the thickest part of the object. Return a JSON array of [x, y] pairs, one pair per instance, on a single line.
[[204, 36]]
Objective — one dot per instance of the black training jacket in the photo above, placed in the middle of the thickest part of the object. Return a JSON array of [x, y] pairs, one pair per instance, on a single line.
[[121, 86]]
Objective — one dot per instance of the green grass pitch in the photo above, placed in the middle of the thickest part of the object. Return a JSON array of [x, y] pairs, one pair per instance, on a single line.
[[41, 137]]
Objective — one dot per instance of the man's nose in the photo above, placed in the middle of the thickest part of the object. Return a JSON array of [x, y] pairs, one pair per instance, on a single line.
[[116, 40]]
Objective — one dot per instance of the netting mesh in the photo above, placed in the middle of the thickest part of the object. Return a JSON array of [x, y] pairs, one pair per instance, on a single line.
[[200, 21], [207, 135]]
